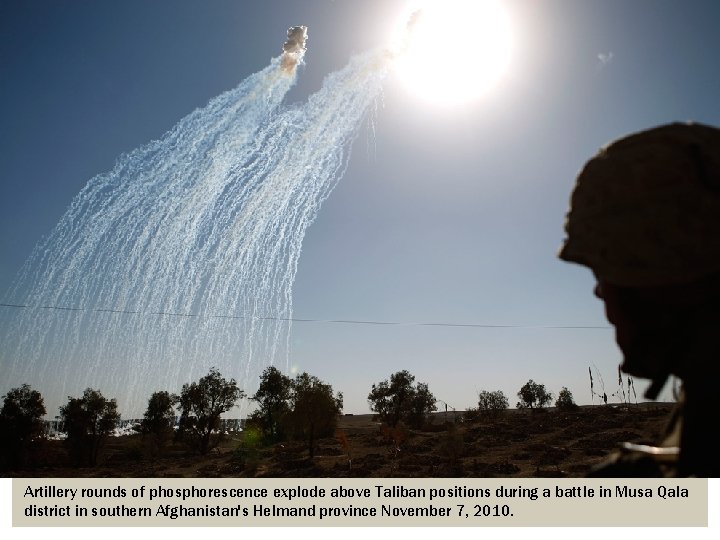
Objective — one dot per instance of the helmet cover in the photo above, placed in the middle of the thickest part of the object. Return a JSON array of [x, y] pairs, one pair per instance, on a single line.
[[645, 210]]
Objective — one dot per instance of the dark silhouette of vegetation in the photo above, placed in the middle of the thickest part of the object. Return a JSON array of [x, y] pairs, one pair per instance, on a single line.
[[273, 397], [422, 404], [533, 396], [247, 454], [88, 421], [159, 419], [565, 401], [398, 400], [492, 404], [302, 408], [313, 409], [201, 404], [306, 410], [21, 425]]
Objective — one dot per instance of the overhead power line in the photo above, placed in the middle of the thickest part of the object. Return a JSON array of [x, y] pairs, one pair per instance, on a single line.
[[305, 320]]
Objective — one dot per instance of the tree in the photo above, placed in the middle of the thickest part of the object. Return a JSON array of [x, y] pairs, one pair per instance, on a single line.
[[533, 396], [272, 397], [159, 418], [421, 404], [88, 421], [201, 404], [399, 400], [313, 409], [492, 403], [21, 424], [565, 401]]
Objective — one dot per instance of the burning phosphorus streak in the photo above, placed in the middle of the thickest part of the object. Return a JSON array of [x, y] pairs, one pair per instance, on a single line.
[[206, 222]]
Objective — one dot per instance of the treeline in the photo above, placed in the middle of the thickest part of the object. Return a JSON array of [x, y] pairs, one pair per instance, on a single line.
[[301, 408]]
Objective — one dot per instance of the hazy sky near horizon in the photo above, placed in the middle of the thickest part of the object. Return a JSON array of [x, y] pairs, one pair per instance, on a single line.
[[444, 215]]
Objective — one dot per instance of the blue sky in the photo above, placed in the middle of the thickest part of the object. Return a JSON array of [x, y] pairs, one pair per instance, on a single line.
[[443, 216]]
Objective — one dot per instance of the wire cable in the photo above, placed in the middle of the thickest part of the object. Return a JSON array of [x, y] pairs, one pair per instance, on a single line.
[[306, 320]]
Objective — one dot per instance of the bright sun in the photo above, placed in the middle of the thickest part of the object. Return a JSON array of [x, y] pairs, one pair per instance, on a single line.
[[453, 51]]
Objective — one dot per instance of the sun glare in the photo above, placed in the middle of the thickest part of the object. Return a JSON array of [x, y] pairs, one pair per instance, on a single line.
[[453, 51]]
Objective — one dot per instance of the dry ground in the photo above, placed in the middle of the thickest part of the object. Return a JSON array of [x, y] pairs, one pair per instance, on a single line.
[[517, 444]]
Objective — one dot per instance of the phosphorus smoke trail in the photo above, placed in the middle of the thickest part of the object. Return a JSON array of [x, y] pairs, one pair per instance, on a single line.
[[207, 222]]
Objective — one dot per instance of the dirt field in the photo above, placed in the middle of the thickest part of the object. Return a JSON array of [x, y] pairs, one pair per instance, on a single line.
[[517, 444]]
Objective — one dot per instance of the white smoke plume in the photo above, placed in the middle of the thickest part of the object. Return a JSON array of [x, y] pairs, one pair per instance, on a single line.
[[183, 256]]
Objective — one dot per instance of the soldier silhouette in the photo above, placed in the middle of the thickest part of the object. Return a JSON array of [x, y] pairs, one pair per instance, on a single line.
[[645, 218]]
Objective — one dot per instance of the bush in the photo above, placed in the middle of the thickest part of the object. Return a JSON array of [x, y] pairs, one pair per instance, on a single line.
[[247, 454], [492, 404], [159, 420], [313, 409], [201, 404], [21, 424], [533, 396], [398, 400], [273, 397], [88, 421], [565, 401]]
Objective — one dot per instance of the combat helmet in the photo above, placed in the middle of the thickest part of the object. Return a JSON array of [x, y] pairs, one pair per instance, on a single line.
[[645, 210]]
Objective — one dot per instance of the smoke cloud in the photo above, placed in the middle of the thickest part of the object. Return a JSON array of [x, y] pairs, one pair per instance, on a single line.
[[294, 48]]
